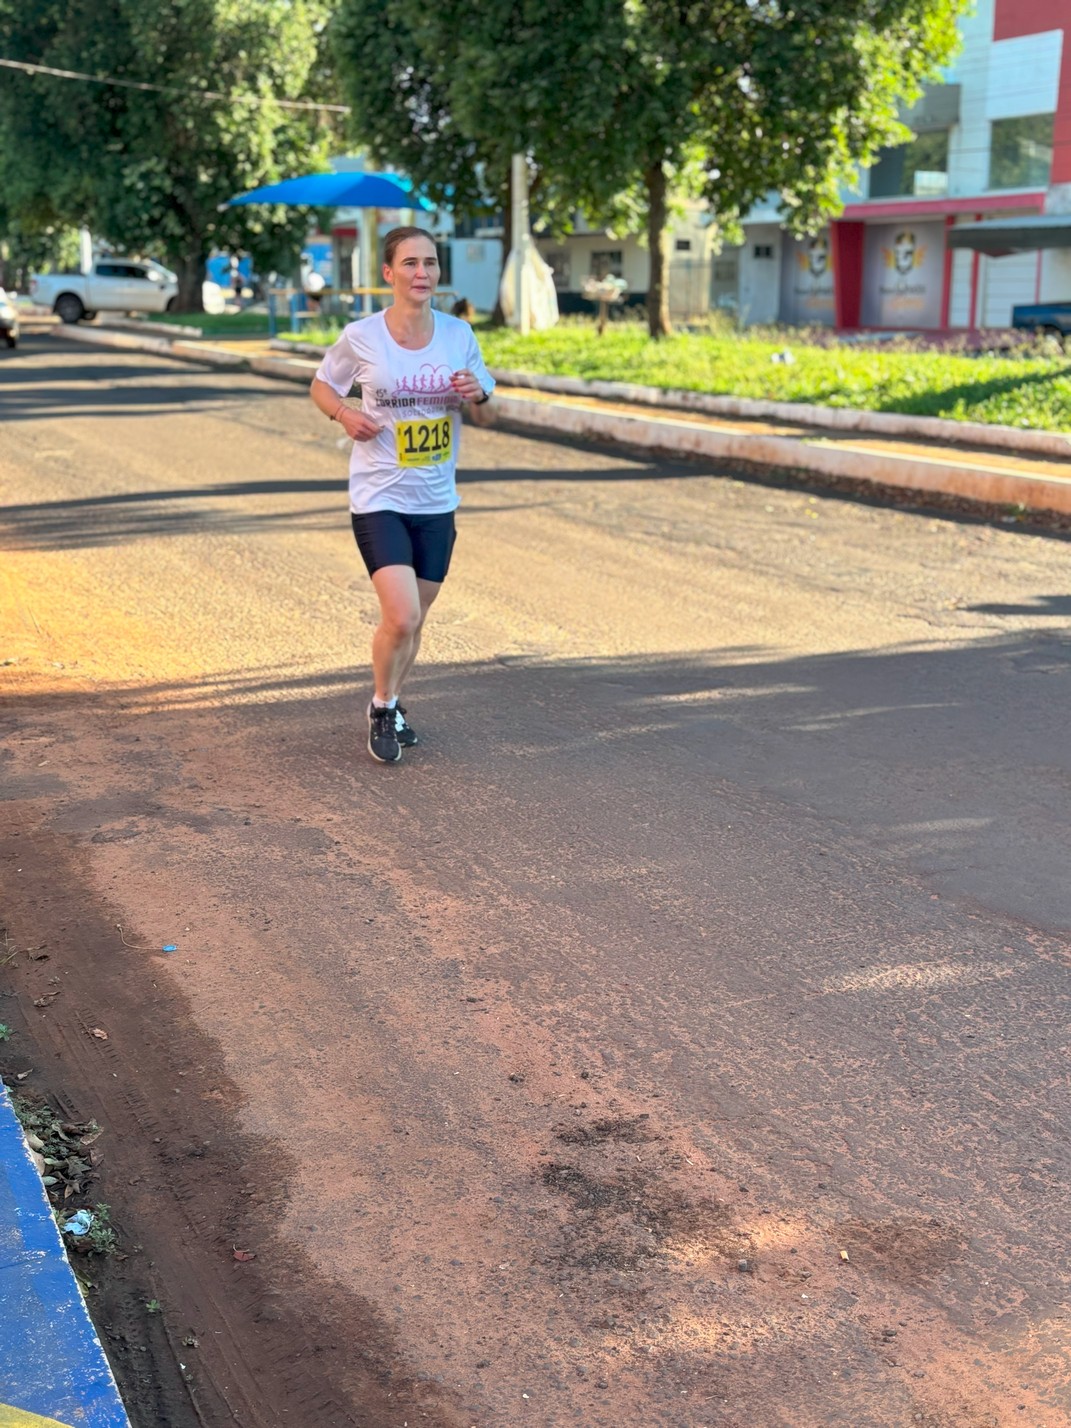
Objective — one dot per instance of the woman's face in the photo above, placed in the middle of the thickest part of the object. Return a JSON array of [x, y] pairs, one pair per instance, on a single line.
[[414, 273]]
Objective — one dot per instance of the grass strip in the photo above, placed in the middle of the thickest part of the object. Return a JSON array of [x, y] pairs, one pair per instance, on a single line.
[[1030, 388]]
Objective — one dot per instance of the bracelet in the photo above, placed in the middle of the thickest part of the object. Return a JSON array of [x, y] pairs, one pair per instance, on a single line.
[[337, 410], [483, 397]]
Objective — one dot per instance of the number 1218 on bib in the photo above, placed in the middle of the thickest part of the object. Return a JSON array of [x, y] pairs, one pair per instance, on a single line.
[[424, 443]]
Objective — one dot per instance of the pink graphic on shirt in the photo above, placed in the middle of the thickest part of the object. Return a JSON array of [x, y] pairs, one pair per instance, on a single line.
[[431, 379]]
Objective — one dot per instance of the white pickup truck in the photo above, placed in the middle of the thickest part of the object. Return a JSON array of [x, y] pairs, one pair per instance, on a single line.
[[111, 285]]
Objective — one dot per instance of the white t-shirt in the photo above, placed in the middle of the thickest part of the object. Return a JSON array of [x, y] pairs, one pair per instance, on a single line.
[[411, 465]]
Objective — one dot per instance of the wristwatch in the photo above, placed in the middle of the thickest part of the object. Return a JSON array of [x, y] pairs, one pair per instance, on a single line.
[[484, 397]]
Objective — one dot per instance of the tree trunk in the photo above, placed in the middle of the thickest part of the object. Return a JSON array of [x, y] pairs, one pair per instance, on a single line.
[[190, 271], [658, 323]]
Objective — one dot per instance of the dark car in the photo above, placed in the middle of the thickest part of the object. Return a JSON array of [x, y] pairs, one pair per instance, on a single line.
[[1047, 319], [9, 321]]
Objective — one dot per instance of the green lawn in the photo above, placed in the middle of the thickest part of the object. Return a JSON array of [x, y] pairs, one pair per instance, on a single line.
[[1032, 390], [222, 324]]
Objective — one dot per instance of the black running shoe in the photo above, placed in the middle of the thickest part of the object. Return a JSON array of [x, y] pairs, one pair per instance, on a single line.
[[383, 742], [407, 737]]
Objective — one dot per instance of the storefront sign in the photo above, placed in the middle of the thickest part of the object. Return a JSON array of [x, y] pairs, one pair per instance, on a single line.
[[903, 269], [807, 281]]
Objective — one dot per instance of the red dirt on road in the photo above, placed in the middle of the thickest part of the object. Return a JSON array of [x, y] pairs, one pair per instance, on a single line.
[[675, 1038]]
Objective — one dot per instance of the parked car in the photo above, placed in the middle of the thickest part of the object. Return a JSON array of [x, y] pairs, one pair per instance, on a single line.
[[1047, 319], [111, 285], [9, 321]]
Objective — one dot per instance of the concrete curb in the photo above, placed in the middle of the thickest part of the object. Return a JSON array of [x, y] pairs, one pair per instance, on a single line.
[[132, 324], [290, 369], [51, 1362], [911, 471], [912, 428]]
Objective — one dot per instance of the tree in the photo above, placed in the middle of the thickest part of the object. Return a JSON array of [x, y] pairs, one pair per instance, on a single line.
[[721, 99], [148, 169], [455, 92]]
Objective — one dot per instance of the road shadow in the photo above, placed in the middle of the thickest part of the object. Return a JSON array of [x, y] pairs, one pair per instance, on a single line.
[[228, 507], [225, 507], [949, 758], [1058, 606]]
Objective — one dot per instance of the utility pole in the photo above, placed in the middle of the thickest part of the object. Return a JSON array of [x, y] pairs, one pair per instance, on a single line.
[[522, 240]]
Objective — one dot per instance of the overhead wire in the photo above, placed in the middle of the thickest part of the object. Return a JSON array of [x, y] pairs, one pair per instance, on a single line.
[[305, 104]]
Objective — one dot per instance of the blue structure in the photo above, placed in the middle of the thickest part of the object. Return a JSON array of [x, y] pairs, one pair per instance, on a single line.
[[218, 269], [52, 1367], [338, 190]]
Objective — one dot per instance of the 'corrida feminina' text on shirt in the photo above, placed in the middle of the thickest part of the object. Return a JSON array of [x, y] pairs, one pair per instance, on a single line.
[[411, 465]]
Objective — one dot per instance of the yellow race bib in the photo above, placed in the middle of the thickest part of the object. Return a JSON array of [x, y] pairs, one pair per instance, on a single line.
[[424, 443]]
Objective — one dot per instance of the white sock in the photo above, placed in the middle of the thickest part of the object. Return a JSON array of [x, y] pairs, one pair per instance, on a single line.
[[385, 703]]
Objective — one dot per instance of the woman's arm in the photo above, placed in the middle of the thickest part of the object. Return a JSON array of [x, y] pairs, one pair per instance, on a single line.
[[355, 424], [470, 390], [483, 413]]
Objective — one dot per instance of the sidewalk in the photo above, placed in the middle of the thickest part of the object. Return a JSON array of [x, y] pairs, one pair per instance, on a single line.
[[1023, 470], [53, 1371]]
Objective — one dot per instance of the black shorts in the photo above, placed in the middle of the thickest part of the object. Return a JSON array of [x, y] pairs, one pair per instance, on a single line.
[[391, 538]]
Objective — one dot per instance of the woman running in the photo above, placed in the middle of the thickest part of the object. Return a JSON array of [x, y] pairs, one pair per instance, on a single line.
[[416, 369]]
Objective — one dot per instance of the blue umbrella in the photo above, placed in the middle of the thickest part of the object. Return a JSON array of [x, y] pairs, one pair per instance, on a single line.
[[349, 190]]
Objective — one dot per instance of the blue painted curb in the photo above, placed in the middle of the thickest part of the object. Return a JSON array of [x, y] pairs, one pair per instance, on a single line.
[[51, 1361]]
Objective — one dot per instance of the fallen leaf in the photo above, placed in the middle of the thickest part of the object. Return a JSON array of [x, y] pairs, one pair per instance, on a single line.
[[100, 1035], [46, 1000], [244, 1256]]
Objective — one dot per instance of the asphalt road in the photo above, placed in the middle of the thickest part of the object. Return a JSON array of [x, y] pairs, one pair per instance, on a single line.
[[677, 1037]]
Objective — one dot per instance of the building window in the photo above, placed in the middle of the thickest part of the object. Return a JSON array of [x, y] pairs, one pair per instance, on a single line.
[[1020, 155], [762, 250], [915, 170], [607, 264], [558, 262], [683, 245]]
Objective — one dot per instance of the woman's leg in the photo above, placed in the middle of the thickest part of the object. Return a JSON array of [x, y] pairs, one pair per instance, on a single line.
[[397, 636], [426, 593]]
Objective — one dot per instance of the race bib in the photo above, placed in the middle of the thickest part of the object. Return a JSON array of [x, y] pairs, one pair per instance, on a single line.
[[424, 443]]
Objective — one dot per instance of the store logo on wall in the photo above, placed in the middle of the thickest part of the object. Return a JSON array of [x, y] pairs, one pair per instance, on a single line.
[[906, 254], [813, 256], [807, 281], [902, 275]]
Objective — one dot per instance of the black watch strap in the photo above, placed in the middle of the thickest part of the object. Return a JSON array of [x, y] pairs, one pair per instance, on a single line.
[[485, 397]]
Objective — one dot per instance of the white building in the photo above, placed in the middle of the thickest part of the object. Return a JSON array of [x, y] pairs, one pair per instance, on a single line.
[[993, 146]]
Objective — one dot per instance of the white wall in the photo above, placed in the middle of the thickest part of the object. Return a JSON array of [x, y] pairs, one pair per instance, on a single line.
[[1024, 75], [476, 265], [1002, 283], [760, 278], [1001, 79], [1056, 275], [581, 247], [968, 142], [959, 306]]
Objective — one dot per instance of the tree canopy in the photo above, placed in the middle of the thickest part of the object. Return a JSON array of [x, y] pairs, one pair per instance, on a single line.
[[619, 100], [147, 168]]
